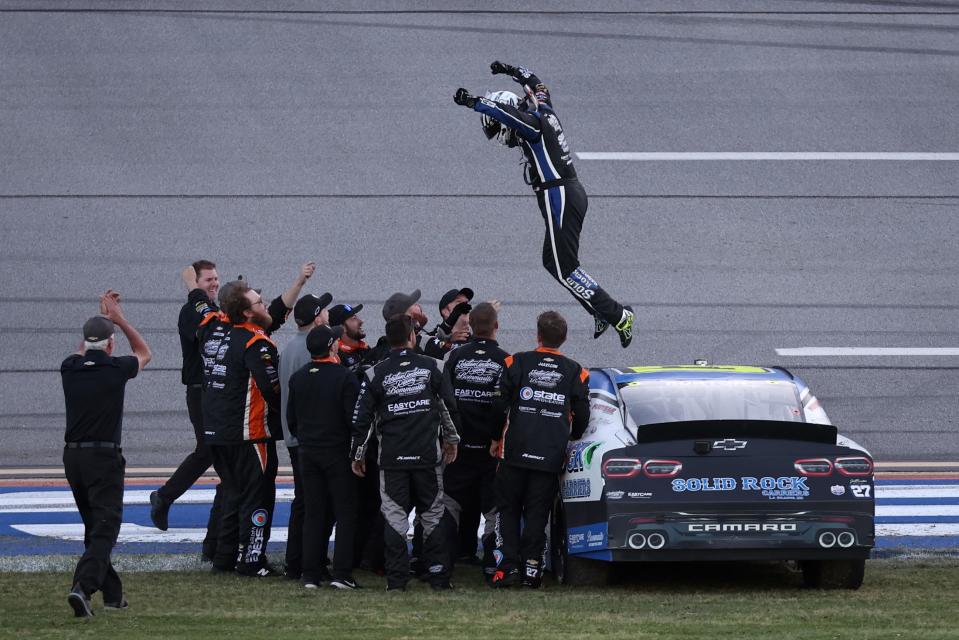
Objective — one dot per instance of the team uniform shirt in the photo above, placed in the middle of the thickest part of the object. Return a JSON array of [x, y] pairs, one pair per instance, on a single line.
[[406, 400], [547, 395], [473, 371], [93, 389], [241, 393], [322, 396], [354, 357], [198, 306]]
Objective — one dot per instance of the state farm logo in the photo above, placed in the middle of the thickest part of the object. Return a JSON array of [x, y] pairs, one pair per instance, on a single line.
[[549, 397]]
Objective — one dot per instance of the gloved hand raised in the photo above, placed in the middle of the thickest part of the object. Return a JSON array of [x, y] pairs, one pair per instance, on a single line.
[[459, 310], [463, 97], [500, 68]]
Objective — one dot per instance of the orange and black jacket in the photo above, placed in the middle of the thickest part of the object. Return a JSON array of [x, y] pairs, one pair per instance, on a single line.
[[241, 382], [547, 396]]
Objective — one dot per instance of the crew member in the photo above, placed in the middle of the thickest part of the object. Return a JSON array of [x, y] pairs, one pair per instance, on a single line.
[[93, 386], [405, 400], [241, 422], [352, 350], [532, 124], [203, 283], [308, 312], [473, 371], [547, 395], [426, 343], [322, 396]]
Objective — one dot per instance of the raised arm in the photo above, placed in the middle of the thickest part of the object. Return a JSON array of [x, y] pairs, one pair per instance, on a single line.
[[291, 295], [110, 307], [532, 86], [527, 126]]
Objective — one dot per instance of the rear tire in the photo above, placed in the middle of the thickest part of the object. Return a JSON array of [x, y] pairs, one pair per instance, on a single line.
[[833, 574], [570, 569]]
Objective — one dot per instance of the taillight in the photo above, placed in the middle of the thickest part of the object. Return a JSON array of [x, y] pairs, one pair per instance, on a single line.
[[854, 466], [814, 467], [622, 467], [662, 468]]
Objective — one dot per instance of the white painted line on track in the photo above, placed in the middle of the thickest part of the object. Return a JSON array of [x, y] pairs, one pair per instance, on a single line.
[[917, 510], [869, 351], [680, 156], [926, 529], [129, 532]]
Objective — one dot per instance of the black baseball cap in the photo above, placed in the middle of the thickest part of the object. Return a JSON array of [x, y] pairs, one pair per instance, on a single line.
[[399, 303], [450, 295], [308, 307], [321, 338], [97, 328], [343, 312]]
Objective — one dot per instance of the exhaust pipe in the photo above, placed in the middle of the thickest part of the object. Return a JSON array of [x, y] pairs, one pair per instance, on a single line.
[[827, 539], [636, 541], [846, 539], [656, 541]]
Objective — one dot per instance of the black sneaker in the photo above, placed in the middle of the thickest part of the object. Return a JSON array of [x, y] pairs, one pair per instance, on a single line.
[[344, 584], [80, 603], [159, 511], [600, 328], [221, 571], [116, 606], [530, 583], [625, 327]]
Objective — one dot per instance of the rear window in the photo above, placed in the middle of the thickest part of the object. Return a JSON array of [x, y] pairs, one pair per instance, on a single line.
[[657, 401]]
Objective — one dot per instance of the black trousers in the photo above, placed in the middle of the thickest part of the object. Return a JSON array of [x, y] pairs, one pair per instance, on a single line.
[[524, 495], [368, 546], [96, 479], [400, 491], [468, 483], [564, 209], [194, 466], [248, 476], [330, 493], [294, 530]]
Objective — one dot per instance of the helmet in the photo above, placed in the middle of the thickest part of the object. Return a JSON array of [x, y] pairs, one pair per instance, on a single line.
[[492, 127]]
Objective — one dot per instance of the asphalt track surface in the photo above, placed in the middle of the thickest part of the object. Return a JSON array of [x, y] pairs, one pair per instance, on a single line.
[[263, 135]]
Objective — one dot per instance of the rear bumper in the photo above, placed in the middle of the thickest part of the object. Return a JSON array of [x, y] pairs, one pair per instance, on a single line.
[[764, 535]]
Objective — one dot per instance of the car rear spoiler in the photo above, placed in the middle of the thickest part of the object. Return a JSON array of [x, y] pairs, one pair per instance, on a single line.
[[719, 429]]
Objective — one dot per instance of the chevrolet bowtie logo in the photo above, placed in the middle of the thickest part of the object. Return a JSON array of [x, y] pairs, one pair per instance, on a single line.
[[730, 444]]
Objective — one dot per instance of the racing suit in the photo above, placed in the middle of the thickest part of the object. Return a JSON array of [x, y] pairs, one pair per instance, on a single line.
[[406, 402], [547, 395], [473, 371], [561, 198], [241, 422]]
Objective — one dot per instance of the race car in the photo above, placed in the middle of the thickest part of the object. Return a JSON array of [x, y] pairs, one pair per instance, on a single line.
[[701, 462]]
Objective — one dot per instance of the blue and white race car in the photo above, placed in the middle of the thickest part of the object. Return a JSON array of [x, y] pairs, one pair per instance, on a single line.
[[712, 463]]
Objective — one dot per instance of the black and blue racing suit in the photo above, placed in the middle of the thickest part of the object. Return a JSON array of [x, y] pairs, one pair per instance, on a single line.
[[562, 199]]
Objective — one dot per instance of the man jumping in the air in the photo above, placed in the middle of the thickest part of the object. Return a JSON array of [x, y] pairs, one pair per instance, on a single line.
[[532, 123]]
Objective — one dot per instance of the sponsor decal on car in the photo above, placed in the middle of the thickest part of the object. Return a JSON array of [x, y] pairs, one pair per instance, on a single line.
[[781, 488], [615, 495], [576, 488], [580, 455], [639, 495], [586, 538], [730, 444], [860, 488], [838, 490]]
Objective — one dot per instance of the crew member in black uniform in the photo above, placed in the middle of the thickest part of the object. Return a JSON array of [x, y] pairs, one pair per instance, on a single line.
[[203, 283], [93, 386], [547, 395], [532, 124], [473, 371], [406, 402], [241, 423], [322, 396], [355, 354]]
